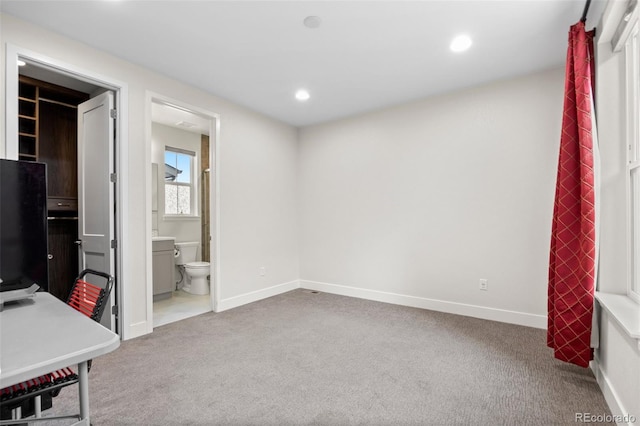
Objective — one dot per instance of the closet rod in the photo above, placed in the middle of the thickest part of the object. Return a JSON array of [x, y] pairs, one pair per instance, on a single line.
[[585, 11], [58, 103], [62, 218]]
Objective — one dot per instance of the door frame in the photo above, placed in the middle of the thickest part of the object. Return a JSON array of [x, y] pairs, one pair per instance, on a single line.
[[214, 210], [121, 90]]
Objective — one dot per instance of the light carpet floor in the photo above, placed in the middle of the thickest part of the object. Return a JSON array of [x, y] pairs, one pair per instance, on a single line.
[[304, 358]]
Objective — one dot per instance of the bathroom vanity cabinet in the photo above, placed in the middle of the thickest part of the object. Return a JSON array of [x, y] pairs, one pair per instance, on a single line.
[[163, 267]]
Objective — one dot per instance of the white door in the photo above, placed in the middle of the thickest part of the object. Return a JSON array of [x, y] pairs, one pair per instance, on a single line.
[[96, 206]]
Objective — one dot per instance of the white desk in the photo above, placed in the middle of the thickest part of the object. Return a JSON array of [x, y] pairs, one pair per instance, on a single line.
[[43, 334]]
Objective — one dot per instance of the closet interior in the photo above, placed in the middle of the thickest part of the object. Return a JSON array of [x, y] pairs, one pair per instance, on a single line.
[[47, 117]]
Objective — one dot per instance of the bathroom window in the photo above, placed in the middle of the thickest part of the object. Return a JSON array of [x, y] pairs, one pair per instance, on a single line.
[[179, 182]]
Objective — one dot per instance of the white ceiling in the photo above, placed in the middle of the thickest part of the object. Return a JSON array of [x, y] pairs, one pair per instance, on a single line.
[[365, 55]]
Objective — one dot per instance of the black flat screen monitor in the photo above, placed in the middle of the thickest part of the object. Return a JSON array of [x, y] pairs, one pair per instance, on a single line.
[[23, 225]]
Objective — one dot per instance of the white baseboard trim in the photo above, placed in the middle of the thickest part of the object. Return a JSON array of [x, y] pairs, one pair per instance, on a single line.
[[254, 296], [483, 312], [136, 330], [610, 395]]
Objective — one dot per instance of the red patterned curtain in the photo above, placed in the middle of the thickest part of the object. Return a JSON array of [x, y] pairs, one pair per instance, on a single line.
[[573, 236]]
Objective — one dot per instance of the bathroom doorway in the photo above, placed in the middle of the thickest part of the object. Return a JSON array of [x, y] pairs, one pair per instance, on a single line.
[[183, 176]]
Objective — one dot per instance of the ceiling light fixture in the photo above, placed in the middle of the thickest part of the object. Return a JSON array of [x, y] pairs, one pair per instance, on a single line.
[[312, 21], [21, 63], [302, 95], [460, 43], [186, 124]]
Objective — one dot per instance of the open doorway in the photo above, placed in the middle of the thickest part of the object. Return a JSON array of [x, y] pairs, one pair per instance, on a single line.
[[182, 209], [51, 112]]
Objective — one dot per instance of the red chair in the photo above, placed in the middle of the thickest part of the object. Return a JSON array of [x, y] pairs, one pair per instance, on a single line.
[[30, 397]]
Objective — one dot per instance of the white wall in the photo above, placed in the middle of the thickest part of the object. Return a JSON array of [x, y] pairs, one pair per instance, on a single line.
[[424, 199], [183, 229], [257, 169], [617, 361], [412, 204]]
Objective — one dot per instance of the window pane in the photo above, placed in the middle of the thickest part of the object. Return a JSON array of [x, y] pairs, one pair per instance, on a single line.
[[179, 182], [184, 199], [170, 166], [184, 165], [177, 199], [170, 158], [177, 167], [170, 199]]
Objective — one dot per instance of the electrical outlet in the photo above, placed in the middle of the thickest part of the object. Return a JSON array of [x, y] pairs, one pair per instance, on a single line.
[[262, 271], [484, 285]]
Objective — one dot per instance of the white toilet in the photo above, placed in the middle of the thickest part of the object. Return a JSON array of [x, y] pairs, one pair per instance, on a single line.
[[197, 272]]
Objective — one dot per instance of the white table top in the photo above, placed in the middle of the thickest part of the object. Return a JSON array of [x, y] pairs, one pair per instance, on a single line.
[[43, 334]]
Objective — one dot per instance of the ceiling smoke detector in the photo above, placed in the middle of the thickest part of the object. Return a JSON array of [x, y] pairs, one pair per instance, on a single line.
[[312, 21]]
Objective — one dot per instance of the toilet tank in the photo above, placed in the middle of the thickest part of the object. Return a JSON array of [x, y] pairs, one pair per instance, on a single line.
[[188, 252]]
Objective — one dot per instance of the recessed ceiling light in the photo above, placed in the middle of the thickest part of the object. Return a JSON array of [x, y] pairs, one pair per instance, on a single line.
[[21, 63], [302, 95], [312, 21], [461, 43]]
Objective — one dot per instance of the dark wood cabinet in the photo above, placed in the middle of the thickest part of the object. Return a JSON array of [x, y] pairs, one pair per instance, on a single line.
[[63, 264], [48, 133], [58, 147], [27, 120]]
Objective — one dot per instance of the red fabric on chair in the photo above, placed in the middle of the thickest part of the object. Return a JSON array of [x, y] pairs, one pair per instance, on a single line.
[[84, 297], [573, 239]]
